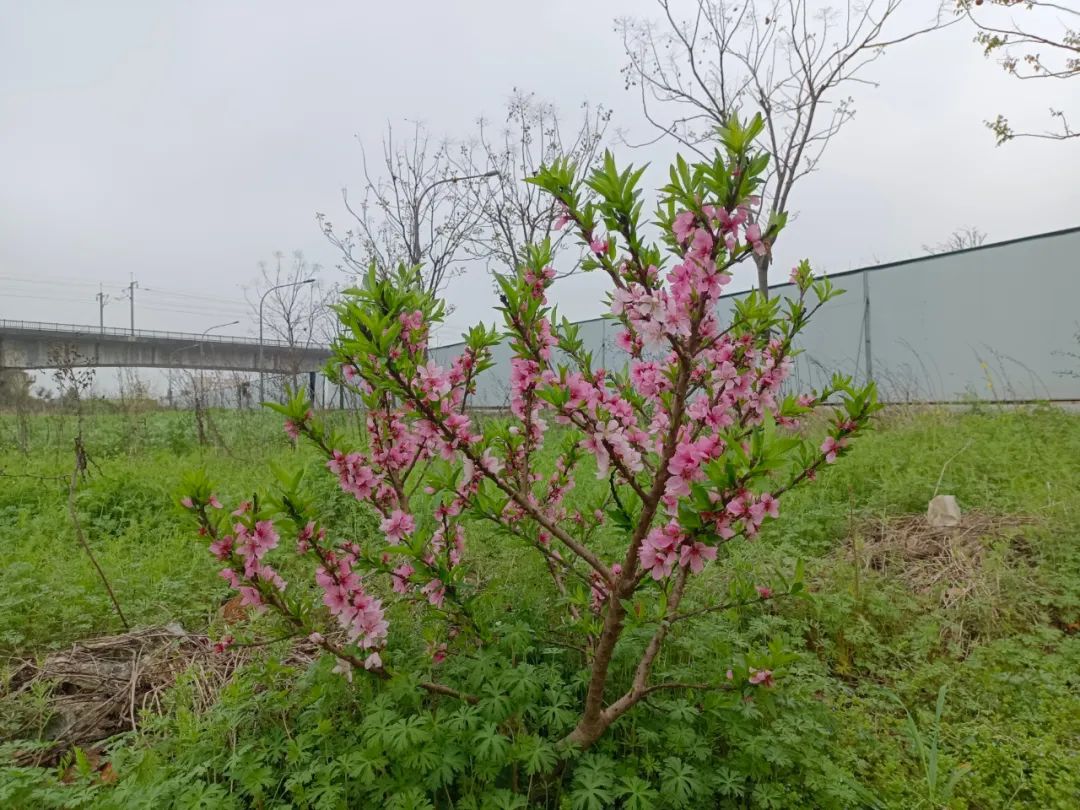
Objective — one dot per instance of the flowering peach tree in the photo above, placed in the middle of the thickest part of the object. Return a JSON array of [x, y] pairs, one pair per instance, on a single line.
[[694, 436]]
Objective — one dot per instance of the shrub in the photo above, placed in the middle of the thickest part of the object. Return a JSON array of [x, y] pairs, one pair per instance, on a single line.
[[693, 444]]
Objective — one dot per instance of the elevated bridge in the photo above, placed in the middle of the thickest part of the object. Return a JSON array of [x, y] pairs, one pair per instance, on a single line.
[[34, 345]]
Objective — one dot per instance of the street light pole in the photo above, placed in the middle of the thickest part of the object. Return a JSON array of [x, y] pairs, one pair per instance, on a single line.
[[192, 346], [262, 375], [202, 385], [211, 328]]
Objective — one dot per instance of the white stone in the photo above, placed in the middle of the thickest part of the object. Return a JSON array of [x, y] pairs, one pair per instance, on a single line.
[[943, 512]]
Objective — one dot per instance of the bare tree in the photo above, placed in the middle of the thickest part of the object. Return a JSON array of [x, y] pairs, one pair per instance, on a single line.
[[441, 204], [416, 212], [514, 213], [792, 61], [292, 310], [1032, 39], [961, 239]]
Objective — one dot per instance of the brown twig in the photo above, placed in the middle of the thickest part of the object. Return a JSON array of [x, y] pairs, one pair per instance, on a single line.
[[80, 467]]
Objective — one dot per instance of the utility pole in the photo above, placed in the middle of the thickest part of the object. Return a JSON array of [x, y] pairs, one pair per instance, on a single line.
[[103, 299], [131, 297]]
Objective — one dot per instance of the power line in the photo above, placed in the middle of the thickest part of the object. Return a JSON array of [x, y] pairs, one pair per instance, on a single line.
[[203, 307], [61, 281], [47, 298], [215, 313], [193, 296]]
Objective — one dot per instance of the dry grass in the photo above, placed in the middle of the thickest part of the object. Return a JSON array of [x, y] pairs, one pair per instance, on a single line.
[[949, 561], [101, 687]]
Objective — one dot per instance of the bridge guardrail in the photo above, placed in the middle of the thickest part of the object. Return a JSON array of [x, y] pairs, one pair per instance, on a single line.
[[116, 332]]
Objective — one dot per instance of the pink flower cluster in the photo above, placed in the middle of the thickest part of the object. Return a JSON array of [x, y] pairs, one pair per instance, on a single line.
[[669, 545], [358, 613], [245, 549]]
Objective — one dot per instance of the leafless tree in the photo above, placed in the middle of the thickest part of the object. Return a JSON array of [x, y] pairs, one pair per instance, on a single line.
[[513, 213], [292, 311], [961, 239], [793, 61], [1032, 39], [440, 204], [415, 211]]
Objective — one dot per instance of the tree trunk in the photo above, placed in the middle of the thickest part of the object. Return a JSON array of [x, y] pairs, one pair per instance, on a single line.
[[763, 263]]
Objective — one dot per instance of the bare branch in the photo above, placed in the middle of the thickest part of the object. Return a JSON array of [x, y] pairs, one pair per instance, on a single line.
[[791, 61], [1031, 40]]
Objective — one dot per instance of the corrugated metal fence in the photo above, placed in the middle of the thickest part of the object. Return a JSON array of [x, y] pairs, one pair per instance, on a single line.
[[995, 322]]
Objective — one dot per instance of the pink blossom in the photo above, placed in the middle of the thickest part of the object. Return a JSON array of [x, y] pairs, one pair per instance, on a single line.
[[523, 379], [659, 552], [187, 503], [562, 219], [686, 460], [648, 378], [222, 548], [831, 447], [764, 591], [490, 463], [703, 243], [397, 526], [599, 246], [595, 444], [214, 502], [412, 321], [754, 239], [354, 475], [435, 592], [337, 599], [401, 576], [291, 429], [433, 380], [373, 661], [223, 644], [266, 573], [695, 555], [683, 226], [763, 677], [231, 577], [255, 544], [303, 539]]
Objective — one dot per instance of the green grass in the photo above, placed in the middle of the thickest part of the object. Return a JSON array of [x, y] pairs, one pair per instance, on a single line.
[[871, 655]]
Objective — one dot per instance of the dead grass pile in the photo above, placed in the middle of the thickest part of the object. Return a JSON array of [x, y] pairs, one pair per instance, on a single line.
[[954, 562], [101, 687]]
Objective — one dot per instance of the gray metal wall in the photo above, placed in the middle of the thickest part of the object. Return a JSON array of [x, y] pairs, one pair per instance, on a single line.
[[992, 322]]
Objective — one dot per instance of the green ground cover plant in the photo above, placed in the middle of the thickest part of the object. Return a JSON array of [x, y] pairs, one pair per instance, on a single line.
[[869, 650]]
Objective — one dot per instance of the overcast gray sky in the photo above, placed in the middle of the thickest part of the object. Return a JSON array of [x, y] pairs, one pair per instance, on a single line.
[[183, 142]]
